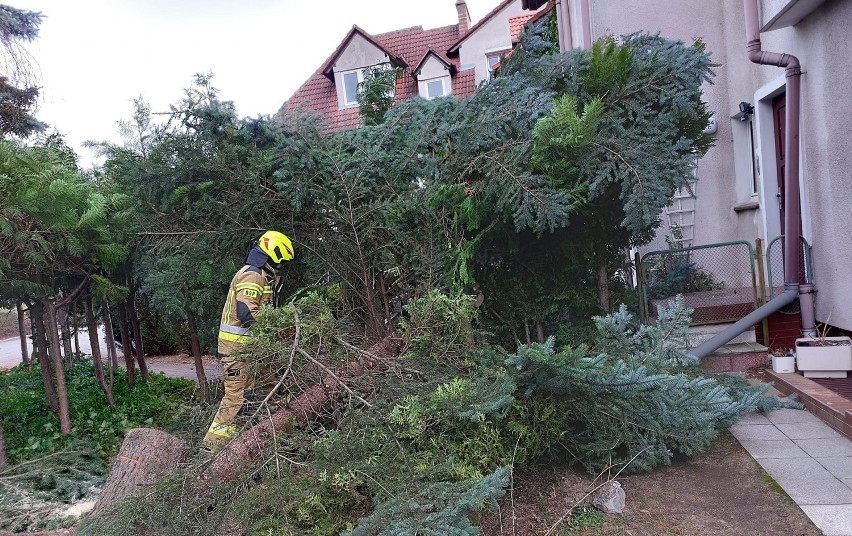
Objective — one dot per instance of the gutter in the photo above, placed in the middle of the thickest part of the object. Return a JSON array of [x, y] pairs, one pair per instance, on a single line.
[[792, 205]]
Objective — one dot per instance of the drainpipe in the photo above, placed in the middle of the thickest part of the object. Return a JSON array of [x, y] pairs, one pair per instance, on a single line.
[[563, 26], [792, 207], [585, 21]]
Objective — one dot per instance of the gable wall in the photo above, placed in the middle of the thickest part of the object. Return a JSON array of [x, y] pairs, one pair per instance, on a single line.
[[492, 36], [359, 53]]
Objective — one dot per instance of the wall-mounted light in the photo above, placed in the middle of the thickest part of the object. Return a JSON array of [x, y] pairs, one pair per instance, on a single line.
[[746, 110]]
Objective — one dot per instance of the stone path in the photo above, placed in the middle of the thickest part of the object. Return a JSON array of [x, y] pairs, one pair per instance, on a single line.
[[183, 366], [808, 459]]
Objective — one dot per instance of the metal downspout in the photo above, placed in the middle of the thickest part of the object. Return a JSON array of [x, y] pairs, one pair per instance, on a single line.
[[792, 206], [563, 26], [791, 292]]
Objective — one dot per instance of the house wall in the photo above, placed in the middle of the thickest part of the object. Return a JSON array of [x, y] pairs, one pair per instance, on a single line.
[[359, 53], [821, 41], [716, 188], [492, 36], [434, 69]]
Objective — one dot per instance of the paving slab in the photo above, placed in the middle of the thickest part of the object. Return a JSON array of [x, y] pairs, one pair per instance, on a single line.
[[833, 520], [808, 430], [765, 432], [826, 447], [839, 466], [785, 416], [753, 418], [784, 449], [789, 470], [806, 490], [812, 464]]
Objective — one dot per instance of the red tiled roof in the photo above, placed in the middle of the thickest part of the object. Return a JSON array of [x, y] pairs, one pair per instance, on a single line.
[[516, 25], [464, 84], [326, 68], [454, 48], [318, 93]]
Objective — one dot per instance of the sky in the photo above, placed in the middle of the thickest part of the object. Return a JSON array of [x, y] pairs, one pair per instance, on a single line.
[[94, 56]]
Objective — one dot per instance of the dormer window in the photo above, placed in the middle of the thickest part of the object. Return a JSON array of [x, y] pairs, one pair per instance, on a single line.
[[434, 76], [351, 84], [435, 88]]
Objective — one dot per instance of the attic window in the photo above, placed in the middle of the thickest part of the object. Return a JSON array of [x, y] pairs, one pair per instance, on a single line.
[[434, 88], [351, 81]]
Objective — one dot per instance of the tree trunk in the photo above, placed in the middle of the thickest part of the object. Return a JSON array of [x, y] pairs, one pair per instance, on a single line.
[[146, 454], [25, 354], [97, 358], [66, 337], [75, 323], [250, 445], [196, 356], [603, 288], [126, 344], [58, 368], [113, 354], [40, 350], [137, 338], [4, 461], [539, 333]]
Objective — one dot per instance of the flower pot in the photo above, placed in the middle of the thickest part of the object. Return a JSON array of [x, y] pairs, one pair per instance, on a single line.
[[824, 357], [784, 363]]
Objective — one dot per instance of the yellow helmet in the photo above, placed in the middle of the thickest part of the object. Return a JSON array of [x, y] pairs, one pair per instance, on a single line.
[[276, 246]]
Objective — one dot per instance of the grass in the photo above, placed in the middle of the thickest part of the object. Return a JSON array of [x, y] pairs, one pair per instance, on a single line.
[[774, 486]]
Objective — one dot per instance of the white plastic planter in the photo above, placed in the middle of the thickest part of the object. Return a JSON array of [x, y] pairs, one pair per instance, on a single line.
[[784, 363], [824, 357]]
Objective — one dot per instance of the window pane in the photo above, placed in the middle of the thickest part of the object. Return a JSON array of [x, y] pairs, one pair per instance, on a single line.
[[435, 88], [350, 86], [492, 61]]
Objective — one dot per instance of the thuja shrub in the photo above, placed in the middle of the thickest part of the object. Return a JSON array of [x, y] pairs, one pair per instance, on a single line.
[[439, 326]]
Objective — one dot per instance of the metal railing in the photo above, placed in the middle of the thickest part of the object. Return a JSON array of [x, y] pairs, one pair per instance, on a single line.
[[718, 281]]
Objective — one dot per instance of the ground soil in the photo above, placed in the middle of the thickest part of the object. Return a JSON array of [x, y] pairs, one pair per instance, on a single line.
[[722, 492]]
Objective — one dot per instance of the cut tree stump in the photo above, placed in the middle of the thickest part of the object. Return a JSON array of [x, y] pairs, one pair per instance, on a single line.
[[146, 454]]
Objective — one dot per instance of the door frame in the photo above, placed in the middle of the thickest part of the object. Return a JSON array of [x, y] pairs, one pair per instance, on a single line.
[[768, 172]]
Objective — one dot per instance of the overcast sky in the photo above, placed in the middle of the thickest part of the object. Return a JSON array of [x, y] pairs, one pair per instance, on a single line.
[[94, 56]]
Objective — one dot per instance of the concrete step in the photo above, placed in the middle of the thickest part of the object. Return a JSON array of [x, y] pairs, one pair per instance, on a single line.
[[734, 362], [700, 334]]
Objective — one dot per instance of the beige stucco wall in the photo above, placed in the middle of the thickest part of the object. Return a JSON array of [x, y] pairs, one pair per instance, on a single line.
[[359, 53], [716, 189], [493, 36], [822, 42]]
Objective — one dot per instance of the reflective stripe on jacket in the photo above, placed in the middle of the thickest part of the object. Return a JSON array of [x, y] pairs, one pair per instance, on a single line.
[[253, 288]]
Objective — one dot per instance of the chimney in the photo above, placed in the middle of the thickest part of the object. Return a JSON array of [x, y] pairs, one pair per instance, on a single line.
[[464, 16]]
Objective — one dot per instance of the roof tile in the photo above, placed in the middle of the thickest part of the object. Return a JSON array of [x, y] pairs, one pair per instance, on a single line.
[[318, 94]]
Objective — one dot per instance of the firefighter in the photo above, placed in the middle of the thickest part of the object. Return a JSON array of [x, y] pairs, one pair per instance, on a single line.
[[251, 288]]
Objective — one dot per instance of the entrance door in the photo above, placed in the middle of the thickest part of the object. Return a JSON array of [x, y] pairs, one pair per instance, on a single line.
[[779, 110], [779, 120]]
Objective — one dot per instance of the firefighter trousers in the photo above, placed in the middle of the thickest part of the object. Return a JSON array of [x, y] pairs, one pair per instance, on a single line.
[[224, 426]]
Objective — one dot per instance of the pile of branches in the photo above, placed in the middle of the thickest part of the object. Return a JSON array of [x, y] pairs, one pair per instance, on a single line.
[[361, 442]]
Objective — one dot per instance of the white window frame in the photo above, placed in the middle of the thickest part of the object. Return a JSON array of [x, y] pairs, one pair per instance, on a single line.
[[442, 81], [360, 72], [498, 56], [360, 77]]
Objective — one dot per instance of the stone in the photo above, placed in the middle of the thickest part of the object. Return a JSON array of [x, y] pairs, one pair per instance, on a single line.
[[610, 498]]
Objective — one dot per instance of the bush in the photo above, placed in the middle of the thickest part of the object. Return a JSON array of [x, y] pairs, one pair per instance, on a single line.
[[32, 429]]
